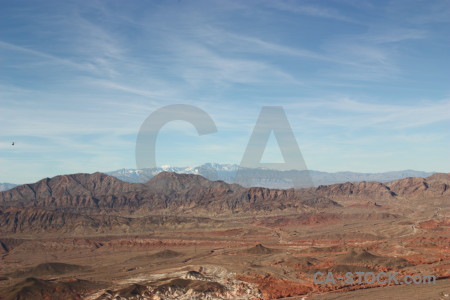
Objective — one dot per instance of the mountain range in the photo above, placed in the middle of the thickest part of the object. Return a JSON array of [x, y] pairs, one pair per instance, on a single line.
[[265, 177], [102, 203], [260, 177]]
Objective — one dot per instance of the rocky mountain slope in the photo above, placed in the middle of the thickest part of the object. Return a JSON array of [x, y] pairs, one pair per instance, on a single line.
[[434, 186], [102, 203], [167, 191]]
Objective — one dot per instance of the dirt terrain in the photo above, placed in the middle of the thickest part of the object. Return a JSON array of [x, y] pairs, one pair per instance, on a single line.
[[183, 237]]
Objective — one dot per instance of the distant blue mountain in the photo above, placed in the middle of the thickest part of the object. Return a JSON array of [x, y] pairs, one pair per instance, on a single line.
[[6, 186], [265, 177]]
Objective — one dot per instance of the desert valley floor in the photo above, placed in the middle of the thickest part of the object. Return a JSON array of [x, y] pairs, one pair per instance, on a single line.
[[91, 236]]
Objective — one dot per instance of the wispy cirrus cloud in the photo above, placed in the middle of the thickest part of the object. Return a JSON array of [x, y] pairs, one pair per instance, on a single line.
[[350, 113], [305, 8], [52, 59], [81, 78]]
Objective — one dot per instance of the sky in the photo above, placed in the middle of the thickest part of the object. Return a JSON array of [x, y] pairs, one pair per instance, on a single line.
[[364, 84]]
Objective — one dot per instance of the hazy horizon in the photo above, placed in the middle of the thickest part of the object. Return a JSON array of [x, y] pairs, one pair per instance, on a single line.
[[195, 166]]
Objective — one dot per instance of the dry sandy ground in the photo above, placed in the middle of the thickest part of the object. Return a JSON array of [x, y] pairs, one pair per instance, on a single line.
[[226, 261], [440, 290]]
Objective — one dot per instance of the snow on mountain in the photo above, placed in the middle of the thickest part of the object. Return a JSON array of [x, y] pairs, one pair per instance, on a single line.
[[264, 177]]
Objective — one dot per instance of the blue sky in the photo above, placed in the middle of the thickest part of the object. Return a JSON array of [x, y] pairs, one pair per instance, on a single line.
[[365, 84]]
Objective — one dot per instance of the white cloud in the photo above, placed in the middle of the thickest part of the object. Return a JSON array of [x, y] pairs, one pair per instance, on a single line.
[[310, 10]]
